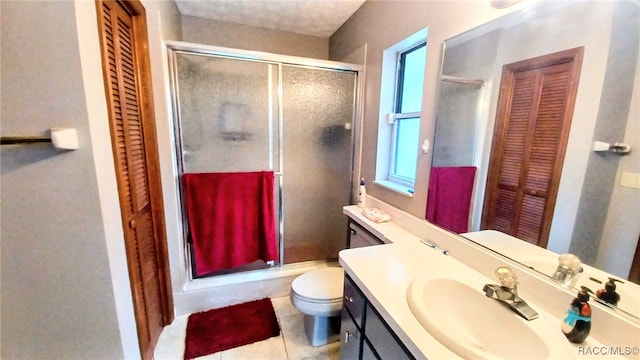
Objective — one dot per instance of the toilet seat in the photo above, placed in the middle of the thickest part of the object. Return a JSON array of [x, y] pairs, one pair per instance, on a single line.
[[319, 292]]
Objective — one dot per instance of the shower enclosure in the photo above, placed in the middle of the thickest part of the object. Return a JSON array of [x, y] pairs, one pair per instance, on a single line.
[[460, 131], [458, 122], [240, 111]]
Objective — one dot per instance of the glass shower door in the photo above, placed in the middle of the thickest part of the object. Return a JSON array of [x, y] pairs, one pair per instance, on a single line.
[[318, 111], [246, 115], [457, 125], [228, 118], [227, 123]]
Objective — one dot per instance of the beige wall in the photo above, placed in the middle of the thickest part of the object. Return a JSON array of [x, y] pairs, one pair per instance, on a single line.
[[381, 24], [619, 235], [57, 295], [65, 291], [220, 33]]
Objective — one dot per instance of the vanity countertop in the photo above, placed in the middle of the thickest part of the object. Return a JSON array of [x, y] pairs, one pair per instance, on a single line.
[[387, 231], [384, 273]]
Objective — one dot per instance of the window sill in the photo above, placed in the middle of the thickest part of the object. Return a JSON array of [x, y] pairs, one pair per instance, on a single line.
[[400, 189]]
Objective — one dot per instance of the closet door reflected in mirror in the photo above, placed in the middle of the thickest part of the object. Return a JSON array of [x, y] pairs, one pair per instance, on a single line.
[[535, 108]]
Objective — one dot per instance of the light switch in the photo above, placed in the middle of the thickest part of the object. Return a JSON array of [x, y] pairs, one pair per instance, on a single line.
[[630, 180]]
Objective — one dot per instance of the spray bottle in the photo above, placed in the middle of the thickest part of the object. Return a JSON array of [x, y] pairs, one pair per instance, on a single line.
[[362, 195]]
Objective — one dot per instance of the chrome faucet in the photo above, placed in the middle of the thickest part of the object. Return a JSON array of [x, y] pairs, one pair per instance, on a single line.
[[566, 275], [507, 293], [568, 269]]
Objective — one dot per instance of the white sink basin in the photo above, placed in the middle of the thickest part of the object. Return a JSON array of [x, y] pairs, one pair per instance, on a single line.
[[456, 312]]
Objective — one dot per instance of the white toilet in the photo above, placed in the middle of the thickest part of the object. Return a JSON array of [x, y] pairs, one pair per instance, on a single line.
[[318, 295]]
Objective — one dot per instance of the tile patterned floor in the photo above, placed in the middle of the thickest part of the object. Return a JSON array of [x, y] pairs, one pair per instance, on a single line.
[[291, 344]]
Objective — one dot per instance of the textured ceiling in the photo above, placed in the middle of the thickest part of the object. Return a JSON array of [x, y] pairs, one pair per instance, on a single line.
[[310, 17]]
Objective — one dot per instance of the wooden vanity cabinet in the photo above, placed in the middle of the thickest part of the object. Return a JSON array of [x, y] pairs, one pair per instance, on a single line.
[[364, 334]]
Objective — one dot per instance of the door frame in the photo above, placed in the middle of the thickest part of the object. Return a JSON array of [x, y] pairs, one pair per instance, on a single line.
[[146, 108]]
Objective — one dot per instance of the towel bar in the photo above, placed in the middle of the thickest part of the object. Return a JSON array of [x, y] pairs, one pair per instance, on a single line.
[[61, 138], [14, 140]]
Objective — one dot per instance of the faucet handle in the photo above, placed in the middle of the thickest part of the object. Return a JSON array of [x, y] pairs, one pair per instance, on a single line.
[[506, 277]]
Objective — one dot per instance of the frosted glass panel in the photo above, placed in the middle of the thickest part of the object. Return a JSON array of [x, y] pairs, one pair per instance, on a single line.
[[318, 108], [237, 115], [226, 123], [456, 126]]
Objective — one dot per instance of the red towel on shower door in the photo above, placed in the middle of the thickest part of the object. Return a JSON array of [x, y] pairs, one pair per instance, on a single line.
[[449, 197], [231, 218]]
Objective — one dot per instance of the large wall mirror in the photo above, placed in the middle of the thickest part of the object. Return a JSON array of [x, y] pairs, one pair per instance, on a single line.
[[587, 202]]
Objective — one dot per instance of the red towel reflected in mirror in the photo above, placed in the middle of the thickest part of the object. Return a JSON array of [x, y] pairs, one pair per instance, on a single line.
[[449, 197]]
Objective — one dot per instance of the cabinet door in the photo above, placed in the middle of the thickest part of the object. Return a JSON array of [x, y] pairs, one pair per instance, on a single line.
[[382, 339], [360, 237], [354, 301], [350, 338], [367, 351]]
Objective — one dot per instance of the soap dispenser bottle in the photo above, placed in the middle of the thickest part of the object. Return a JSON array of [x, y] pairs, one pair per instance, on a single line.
[[577, 323], [609, 294], [362, 195]]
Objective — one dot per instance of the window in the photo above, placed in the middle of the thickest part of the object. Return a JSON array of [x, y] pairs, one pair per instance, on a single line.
[[400, 110], [406, 124]]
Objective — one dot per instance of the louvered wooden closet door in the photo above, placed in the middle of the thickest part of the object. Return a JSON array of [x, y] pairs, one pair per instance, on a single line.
[[532, 128], [136, 163]]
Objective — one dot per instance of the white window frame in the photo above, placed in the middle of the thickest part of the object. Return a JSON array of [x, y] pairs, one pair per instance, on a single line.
[[389, 119], [392, 176]]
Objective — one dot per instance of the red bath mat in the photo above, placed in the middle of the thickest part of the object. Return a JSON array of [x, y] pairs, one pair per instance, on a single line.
[[221, 329]]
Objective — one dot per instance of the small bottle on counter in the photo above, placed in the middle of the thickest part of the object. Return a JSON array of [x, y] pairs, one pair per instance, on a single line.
[[576, 325], [362, 195]]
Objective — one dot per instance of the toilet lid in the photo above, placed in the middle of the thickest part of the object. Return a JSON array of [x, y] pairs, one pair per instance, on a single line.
[[321, 284]]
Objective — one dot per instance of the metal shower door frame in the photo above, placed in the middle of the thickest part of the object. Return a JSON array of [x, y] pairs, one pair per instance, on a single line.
[[174, 48]]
